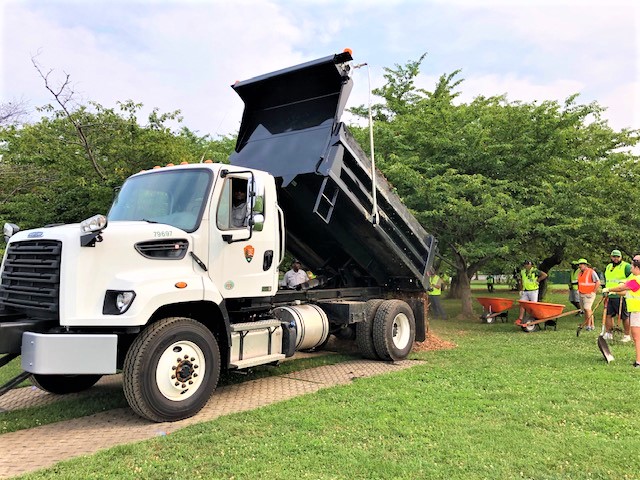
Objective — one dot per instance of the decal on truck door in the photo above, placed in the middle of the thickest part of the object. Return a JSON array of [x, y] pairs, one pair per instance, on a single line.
[[248, 253]]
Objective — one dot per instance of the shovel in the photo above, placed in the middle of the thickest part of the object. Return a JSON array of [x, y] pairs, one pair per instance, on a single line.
[[602, 343]]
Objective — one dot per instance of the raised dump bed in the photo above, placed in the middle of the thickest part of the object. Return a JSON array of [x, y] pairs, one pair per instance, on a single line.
[[291, 128]]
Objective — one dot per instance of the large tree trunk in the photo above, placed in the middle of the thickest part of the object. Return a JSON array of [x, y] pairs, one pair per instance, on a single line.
[[465, 295], [461, 284]]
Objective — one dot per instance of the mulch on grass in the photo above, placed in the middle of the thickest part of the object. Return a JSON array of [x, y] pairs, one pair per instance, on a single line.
[[433, 343]]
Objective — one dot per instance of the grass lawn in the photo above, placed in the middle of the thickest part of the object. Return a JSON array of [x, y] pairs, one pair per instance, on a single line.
[[504, 404]]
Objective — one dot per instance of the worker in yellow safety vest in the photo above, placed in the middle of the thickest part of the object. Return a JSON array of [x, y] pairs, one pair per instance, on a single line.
[[616, 273], [435, 293], [631, 288], [530, 279]]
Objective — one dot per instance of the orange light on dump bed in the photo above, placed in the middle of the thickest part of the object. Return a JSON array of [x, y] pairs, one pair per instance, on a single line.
[[349, 51]]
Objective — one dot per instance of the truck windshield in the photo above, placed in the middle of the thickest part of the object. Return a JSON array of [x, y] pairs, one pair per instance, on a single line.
[[172, 197]]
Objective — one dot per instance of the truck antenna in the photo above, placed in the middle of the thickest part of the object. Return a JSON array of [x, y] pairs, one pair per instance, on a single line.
[[375, 216]]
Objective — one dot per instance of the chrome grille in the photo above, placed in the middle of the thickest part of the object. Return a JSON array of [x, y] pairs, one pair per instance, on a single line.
[[31, 278]]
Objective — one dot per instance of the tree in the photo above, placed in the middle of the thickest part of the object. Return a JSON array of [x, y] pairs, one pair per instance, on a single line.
[[496, 180], [49, 178]]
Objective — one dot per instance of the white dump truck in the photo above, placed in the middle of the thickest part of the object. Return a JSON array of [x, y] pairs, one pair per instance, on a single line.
[[181, 279]]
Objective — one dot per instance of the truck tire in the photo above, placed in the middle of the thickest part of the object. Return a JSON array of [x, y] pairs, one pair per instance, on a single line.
[[171, 369], [63, 384], [364, 330], [394, 330]]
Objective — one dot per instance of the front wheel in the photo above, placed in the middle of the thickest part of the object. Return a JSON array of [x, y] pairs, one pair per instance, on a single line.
[[63, 384], [394, 330], [171, 369]]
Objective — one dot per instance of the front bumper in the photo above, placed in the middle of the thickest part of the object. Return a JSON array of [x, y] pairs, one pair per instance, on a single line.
[[13, 326]]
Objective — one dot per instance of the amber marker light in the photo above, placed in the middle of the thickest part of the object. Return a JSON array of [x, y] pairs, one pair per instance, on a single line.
[[170, 165], [208, 161], [181, 285], [349, 51]]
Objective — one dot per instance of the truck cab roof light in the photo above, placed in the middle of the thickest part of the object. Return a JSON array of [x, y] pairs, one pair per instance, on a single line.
[[93, 224]]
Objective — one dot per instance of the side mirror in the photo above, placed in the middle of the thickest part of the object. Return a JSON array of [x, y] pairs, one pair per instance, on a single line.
[[258, 221], [10, 229], [257, 195]]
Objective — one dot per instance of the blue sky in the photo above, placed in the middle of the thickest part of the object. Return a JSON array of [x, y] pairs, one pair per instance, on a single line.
[[185, 54]]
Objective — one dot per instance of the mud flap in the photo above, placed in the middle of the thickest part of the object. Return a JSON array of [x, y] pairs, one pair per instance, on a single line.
[[604, 349]]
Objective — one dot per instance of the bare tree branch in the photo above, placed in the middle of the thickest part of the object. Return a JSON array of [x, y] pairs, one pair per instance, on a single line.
[[62, 96], [12, 112]]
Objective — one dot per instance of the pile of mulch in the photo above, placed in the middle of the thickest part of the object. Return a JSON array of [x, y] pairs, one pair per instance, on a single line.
[[433, 343]]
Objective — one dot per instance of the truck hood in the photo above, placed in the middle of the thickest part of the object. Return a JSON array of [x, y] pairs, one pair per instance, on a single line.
[[134, 230]]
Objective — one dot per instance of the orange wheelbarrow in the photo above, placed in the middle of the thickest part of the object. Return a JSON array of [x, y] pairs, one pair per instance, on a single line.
[[493, 307], [541, 312]]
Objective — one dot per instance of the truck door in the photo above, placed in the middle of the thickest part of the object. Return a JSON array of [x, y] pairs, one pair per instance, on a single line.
[[244, 244]]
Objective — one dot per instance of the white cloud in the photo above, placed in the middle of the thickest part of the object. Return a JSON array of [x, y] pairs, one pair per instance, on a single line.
[[184, 54]]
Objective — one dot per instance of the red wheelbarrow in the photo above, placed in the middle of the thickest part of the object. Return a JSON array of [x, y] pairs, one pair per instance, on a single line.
[[493, 307], [541, 312]]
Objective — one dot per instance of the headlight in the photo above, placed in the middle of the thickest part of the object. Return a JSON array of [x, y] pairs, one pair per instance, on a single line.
[[94, 224], [10, 229], [117, 302]]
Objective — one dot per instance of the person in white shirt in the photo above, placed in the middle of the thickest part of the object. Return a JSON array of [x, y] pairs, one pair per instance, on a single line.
[[295, 276], [239, 209]]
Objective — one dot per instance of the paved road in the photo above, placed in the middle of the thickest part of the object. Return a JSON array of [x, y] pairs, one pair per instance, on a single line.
[[29, 450]]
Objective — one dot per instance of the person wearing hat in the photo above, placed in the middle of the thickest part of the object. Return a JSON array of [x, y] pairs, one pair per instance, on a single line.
[[530, 279], [615, 274], [574, 296], [631, 289], [295, 276], [588, 284]]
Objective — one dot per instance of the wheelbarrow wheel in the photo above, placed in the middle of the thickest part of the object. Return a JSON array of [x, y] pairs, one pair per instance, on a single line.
[[490, 319], [530, 328]]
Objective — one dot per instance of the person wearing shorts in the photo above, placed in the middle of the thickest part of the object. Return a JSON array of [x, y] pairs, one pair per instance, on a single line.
[[529, 280], [632, 289], [614, 274], [588, 284]]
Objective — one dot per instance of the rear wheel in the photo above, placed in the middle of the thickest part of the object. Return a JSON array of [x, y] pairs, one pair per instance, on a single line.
[[394, 330], [364, 330], [63, 384], [171, 369]]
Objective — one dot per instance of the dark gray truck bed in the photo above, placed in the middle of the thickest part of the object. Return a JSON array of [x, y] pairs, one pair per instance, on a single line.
[[291, 128]]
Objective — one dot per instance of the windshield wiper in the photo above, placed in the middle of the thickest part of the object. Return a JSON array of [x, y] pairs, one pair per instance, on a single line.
[[149, 221]]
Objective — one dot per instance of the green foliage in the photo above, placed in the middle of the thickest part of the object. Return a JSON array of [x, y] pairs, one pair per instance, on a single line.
[[47, 176], [496, 180], [503, 404]]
